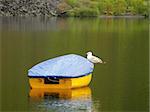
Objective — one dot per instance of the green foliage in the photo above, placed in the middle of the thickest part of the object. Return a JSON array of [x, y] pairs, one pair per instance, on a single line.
[[83, 12], [107, 7], [120, 7], [83, 8], [72, 3], [138, 7]]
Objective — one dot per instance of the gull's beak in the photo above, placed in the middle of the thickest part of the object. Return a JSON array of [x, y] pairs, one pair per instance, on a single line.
[[101, 61]]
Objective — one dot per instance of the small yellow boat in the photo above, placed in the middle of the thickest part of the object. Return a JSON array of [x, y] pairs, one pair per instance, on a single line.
[[64, 72]]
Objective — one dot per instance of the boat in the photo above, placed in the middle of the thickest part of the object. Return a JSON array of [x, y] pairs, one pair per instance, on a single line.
[[63, 72]]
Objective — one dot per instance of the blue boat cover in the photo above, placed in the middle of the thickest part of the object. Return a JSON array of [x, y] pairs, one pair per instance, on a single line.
[[67, 66]]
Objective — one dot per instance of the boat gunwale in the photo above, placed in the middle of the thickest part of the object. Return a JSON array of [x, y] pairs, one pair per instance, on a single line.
[[60, 77]]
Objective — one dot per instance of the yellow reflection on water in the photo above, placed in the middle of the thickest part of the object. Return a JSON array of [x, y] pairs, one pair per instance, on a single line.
[[61, 93], [67, 100]]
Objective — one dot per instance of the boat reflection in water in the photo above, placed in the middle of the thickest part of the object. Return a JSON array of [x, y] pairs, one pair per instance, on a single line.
[[61, 100]]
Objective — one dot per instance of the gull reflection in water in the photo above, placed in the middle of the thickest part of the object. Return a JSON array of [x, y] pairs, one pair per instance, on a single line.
[[58, 100]]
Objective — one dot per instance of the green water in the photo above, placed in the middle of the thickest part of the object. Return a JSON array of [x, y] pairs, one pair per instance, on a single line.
[[120, 85]]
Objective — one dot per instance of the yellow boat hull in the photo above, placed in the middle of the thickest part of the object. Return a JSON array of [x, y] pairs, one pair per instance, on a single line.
[[64, 83]]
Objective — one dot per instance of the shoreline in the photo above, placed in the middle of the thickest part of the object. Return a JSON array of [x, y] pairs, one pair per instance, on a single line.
[[134, 16], [101, 16]]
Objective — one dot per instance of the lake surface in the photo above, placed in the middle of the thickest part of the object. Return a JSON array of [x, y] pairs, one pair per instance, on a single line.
[[120, 85]]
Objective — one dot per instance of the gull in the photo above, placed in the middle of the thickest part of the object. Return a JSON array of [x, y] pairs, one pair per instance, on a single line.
[[92, 58]]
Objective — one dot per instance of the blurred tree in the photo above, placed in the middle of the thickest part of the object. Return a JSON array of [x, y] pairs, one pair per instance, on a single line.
[[120, 7], [106, 7]]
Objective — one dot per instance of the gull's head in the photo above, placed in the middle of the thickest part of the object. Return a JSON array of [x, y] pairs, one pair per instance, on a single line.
[[89, 53]]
